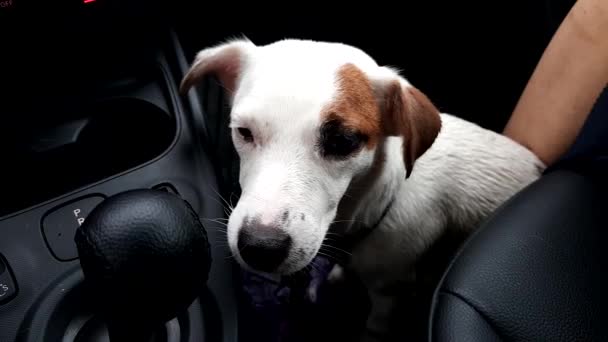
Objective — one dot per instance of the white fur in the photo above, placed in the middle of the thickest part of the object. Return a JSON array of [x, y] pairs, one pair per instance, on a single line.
[[459, 181], [281, 90]]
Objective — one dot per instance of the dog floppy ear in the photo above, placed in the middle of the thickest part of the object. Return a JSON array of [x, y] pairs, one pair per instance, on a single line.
[[406, 112], [224, 61]]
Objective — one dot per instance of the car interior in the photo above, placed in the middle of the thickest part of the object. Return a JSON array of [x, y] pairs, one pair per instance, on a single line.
[[90, 108]]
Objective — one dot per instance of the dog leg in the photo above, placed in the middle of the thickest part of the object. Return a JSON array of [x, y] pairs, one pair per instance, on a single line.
[[390, 293], [378, 325]]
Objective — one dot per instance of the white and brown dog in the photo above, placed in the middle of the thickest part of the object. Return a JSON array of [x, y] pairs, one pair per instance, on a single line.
[[326, 135]]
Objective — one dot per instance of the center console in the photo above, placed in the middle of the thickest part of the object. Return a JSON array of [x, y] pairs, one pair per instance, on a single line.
[[89, 110]]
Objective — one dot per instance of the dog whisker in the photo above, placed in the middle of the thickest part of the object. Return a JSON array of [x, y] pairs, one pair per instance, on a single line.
[[216, 221], [336, 248], [222, 227], [345, 221], [332, 233], [315, 266], [227, 206], [216, 200], [220, 224], [330, 257], [223, 237], [221, 240], [332, 239], [223, 199], [230, 198]]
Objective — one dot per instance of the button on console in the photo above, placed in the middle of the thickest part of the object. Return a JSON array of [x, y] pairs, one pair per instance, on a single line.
[[60, 225], [7, 284]]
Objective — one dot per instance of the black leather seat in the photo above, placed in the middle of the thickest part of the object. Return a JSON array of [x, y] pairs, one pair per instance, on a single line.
[[536, 271]]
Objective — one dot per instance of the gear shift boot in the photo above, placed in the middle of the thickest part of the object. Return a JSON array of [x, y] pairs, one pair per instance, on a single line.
[[145, 258], [92, 328]]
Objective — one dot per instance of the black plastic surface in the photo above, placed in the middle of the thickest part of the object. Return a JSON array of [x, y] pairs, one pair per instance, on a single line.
[[89, 142], [535, 271], [59, 226], [8, 288], [65, 315], [183, 163]]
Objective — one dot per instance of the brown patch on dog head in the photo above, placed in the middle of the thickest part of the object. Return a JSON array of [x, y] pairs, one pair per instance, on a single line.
[[355, 107], [384, 108], [410, 114]]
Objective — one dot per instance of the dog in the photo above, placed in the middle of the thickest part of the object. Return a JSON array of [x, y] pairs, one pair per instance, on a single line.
[[331, 143]]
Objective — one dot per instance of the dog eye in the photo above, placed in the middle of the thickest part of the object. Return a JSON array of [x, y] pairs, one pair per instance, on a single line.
[[341, 145], [337, 142], [246, 134]]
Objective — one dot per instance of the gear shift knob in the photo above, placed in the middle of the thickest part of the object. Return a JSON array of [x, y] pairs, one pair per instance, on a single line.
[[145, 257]]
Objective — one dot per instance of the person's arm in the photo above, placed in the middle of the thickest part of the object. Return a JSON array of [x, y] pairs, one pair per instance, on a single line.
[[567, 81]]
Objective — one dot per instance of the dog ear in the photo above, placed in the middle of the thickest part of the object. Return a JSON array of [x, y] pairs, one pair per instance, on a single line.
[[224, 61], [406, 112]]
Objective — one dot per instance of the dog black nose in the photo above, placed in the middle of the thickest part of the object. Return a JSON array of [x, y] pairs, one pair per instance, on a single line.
[[263, 248]]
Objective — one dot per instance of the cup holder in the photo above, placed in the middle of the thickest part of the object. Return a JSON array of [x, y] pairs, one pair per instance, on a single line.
[[64, 313], [88, 327], [101, 139]]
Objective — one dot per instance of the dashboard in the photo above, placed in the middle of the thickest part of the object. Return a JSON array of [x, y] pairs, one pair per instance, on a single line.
[[90, 109]]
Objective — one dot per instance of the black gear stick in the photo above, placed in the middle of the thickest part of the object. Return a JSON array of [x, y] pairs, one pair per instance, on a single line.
[[145, 257]]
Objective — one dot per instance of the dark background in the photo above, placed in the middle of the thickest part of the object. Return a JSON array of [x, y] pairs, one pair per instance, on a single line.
[[472, 58]]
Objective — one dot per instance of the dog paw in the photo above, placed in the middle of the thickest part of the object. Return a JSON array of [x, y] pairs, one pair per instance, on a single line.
[[336, 275]]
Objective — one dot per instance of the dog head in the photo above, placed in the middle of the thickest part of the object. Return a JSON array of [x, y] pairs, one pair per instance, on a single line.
[[306, 119]]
